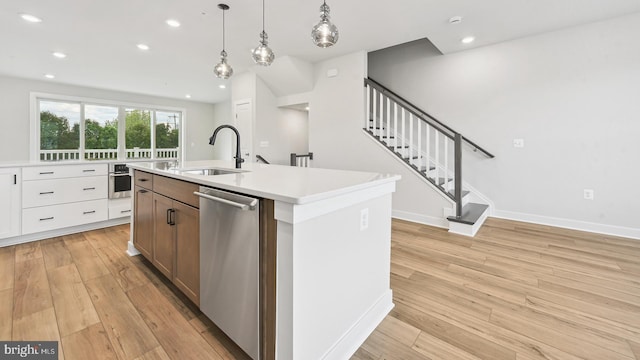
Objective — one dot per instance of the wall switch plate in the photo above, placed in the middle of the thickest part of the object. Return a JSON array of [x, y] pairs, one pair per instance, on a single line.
[[518, 143], [364, 219], [264, 144], [332, 73], [588, 194]]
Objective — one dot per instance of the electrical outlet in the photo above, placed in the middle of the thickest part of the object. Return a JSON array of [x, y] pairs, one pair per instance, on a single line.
[[588, 194], [364, 219], [518, 143]]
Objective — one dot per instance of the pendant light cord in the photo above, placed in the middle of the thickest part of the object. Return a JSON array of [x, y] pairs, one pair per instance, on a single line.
[[223, 30], [262, 15]]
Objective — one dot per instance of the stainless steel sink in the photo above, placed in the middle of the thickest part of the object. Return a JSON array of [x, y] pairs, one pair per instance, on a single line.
[[211, 171]]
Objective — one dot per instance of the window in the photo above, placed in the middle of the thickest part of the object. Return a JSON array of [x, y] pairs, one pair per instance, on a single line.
[[108, 130], [100, 132]]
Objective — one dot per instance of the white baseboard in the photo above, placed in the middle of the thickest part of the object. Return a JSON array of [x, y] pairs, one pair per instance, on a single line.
[[570, 224], [131, 249], [64, 231], [349, 343], [440, 222]]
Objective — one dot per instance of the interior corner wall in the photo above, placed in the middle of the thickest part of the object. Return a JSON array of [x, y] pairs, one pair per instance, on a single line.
[[572, 95], [15, 119], [283, 131], [337, 141]]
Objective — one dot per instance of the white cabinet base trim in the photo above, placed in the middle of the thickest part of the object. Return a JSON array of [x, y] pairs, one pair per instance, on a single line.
[[61, 232]]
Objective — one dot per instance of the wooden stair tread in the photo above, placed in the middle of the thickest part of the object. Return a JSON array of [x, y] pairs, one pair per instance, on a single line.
[[464, 193], [470, 213]]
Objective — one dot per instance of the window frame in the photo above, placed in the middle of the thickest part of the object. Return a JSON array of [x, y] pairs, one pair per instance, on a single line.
[[34, 138]]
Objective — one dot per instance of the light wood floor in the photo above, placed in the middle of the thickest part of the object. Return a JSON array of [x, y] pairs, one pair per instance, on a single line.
[[515, 291]]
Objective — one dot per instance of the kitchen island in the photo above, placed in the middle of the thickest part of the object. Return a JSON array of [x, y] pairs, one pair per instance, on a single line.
[[330, 251]]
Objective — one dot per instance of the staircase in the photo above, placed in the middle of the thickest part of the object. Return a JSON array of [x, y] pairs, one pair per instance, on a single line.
[[427, 146]]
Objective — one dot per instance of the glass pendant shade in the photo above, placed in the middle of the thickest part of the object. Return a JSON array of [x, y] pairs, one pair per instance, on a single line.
[[223, 70], [262, 54], [325, 33]]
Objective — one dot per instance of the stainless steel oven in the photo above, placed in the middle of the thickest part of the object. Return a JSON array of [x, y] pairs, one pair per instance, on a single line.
[[119, 181]]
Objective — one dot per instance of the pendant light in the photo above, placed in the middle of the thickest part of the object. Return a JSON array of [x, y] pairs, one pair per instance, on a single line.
[[325, 33], [262, 54], [223, 70]]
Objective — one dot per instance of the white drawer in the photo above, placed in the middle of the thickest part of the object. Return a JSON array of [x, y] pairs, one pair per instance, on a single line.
[[60, 216], [63, 171], [61, 191], [119, 209]]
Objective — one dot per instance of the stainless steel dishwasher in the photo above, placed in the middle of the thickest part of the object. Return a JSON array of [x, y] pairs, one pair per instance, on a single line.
[[229, 269]]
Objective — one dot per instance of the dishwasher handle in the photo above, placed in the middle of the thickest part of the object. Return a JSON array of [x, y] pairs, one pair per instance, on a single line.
[[240, 206]]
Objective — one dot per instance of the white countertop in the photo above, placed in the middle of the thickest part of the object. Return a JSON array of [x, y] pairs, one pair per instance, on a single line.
[[30, 163], [289, 184]]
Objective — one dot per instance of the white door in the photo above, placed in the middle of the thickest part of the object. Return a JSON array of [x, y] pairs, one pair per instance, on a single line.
[[10, 208], [244, 124]]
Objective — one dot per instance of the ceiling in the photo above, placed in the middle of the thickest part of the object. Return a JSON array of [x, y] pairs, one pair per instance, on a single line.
[[100, 37]]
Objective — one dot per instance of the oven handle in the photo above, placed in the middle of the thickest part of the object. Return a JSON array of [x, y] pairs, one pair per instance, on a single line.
[[116, 175]]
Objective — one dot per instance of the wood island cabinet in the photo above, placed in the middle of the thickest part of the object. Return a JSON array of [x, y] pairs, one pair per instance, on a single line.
[[167, 229]]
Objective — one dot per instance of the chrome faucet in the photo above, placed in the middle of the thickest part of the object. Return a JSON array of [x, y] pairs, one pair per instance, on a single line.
[[212, 140]]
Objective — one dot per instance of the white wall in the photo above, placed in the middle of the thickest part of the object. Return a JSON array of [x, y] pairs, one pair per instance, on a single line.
[[572, 95], [14, 118], [337, 141], [285, 130]]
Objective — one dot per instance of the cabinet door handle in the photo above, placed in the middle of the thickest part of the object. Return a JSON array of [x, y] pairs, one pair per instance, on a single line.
[[46, 192], [48, 218], [89, 170], [125, 211], [142, 191], [90, 188], [89, 212], [46, 173], [171, 220], [15, 179]]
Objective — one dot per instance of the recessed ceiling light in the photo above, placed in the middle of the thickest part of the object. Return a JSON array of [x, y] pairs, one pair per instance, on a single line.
[[188, 96], [173, 23], [223, 86], [143, 47], [455, 20], [49, 76], [31, 18], [468, 39], [59, 55]]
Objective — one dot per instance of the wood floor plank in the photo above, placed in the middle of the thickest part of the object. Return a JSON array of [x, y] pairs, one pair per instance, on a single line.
[[223, 345], [28, 251], [384, 347], [435, 348], [575, 291], [40, 325], [128, 333], [121, 267], [177, 337], [6, 316], [55, 253], [31, 289], [74, 309], [362, 354], [635, 347], [567, 343], [7, 265], [399, 330], [86, 259], [155, 354], [91, 342], [98, 238]]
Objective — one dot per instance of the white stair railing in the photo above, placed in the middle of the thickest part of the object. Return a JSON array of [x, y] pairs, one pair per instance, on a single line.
[[429, 147]]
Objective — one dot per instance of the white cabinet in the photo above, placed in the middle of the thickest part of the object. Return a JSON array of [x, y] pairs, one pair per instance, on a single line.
[[9, 202], [59, 196]]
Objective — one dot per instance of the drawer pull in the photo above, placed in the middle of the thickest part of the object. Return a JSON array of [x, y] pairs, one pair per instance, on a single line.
[[125, 211], [89, 170], [46, 173], [143, 180], [142, 191], [46, 193], [91, 188], [45, 219], [89, 212]]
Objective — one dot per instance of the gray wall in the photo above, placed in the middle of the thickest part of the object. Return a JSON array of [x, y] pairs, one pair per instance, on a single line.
[[572, 95], [15, 122]]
